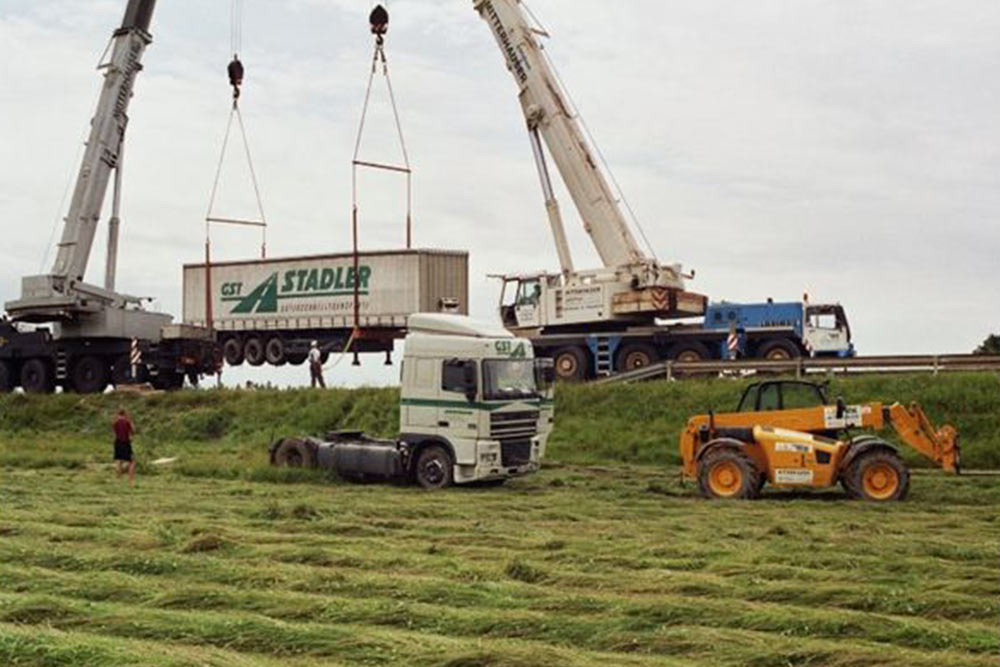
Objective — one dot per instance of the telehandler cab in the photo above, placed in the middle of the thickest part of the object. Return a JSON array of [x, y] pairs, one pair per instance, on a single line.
[[787, 434]]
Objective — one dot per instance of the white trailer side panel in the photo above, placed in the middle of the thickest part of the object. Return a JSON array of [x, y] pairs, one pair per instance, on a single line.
[[317, 292]]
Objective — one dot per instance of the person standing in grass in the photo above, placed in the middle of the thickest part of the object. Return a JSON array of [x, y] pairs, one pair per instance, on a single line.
[[316, 365], [123, 428]]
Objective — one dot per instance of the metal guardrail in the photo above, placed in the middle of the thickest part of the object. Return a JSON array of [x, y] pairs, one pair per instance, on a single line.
[[937, 363]]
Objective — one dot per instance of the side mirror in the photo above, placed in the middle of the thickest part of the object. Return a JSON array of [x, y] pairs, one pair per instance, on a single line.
[[469, 380]]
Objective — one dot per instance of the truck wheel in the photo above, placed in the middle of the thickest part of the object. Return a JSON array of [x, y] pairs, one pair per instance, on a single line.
[[878, 475], [570, 364], [89, 376], [36, 377], [779, 350], [434, 468], [693, 351], [6, 381], [728, 474], [294, 453], [121, 372], [253, 351], [274, 351], [634, 356], [232, 351]]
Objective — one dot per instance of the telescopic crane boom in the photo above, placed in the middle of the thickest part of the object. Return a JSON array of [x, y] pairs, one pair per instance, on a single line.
[[62, 294]]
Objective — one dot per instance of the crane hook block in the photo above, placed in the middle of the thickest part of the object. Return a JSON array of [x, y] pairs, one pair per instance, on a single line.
[[379, 20], [235, 71]]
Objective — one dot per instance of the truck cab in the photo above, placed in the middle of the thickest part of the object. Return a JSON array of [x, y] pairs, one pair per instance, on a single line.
[[826, 332]]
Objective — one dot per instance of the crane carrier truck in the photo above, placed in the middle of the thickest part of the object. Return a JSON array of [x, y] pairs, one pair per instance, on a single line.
[[598, 321], [94, 334], [471, 411]]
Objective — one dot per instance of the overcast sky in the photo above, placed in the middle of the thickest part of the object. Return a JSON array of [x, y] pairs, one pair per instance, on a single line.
[[849, 149]]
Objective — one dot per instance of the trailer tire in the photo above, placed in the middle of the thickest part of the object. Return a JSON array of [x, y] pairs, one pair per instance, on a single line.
[[570, 364], [634, 356], [253, 351], [779, 349], [37, 377], [232, 351], [294, 453], [90, 375], [274, 351], [6, 378], [435, 468]]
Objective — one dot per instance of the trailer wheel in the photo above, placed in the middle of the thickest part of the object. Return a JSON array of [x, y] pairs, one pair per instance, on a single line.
[[274, 351], [253, 351], [878, 475], [293, 453], [89, 375], [634, 356], [570, 364], [6, 381], [232, 351], [435, 468], [36, 377], [779, 349], [728, 474]]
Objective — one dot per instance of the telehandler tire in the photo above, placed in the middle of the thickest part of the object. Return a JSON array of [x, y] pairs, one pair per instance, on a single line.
[[729, 474], [878, 475]]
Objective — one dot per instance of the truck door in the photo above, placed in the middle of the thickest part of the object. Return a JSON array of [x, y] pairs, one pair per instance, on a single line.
[[420, 384], [529, 303], [826, 331]]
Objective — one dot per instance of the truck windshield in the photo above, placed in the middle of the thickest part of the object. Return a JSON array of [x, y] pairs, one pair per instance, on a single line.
[[509, 378]]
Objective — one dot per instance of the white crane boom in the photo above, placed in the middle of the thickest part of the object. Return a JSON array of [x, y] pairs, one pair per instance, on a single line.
[[548, 114], [63, 292]]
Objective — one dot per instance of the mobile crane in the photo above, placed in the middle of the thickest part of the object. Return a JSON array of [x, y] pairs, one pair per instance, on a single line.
[[597, 321], [98, 335]]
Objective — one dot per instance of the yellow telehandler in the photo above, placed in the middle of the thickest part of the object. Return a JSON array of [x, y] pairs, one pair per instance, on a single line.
[[786, 433]]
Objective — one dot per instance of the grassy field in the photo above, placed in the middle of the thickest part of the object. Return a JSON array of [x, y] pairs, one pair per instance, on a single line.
[[217, 559]]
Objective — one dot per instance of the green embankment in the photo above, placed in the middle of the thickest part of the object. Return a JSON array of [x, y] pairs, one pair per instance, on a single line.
[[630, 424]]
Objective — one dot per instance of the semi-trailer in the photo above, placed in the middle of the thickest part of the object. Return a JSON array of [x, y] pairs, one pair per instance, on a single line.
[[268, 311], [469, 412]]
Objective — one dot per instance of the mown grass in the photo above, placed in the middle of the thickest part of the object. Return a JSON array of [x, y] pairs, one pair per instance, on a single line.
[[218, 559]]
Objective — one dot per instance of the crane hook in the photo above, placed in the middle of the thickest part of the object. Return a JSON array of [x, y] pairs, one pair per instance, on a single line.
[[235, 71], [379, 20]]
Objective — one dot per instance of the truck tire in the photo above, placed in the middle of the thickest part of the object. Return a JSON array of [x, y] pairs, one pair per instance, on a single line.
[[878, 475], [121, 372], [691, 351], [6, 378], [293, 453], [232, 351], [570, 364], [37, 377], [435, 469], [253, 351], [274, 351], [90, 375], [728, 474], [779, 349], [633, 356]]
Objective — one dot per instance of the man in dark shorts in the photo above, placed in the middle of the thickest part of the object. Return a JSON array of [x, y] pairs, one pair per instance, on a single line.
[[122, 426]]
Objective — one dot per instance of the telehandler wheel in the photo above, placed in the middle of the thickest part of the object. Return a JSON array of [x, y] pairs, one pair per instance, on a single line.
[[878, 475], [434, 468], [729, 474], [294, 453]]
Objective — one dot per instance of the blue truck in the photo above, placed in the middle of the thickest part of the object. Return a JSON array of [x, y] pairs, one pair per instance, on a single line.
[[768, 330]]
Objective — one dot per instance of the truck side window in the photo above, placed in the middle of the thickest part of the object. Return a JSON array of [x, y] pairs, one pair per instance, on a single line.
[[453, 376]]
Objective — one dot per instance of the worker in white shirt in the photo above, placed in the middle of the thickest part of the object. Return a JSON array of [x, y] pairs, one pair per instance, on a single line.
[[316, 365]]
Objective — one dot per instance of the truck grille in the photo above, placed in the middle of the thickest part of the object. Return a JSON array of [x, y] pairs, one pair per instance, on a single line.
[[514, 425], [515, 453]]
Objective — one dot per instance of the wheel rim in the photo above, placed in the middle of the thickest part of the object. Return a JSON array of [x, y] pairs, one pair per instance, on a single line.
[[567, 365], [725, 479], [880, 481], [689, 355], [637, 359], [433, 472]]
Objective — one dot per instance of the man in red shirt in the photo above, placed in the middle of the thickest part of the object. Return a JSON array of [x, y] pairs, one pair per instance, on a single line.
[[123, 428]]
